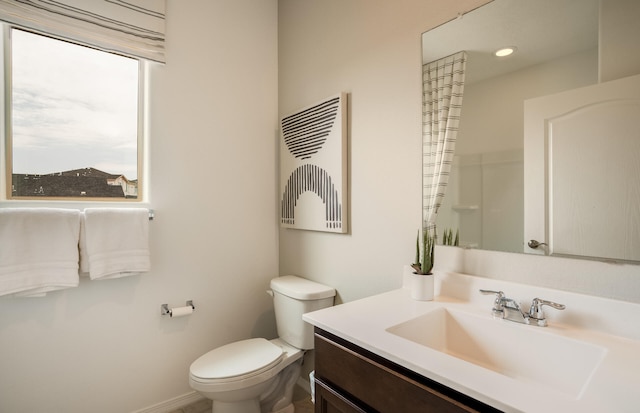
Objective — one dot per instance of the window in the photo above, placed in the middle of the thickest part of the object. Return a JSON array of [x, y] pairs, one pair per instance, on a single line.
[[73, 120]]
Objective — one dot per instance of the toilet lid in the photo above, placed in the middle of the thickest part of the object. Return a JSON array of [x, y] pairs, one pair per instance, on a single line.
[[241, 358]]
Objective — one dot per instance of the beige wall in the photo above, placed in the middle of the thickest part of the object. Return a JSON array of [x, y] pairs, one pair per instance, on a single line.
[[103, 347], [371, 49]]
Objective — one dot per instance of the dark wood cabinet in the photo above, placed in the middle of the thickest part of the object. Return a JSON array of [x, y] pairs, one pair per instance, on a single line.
[[351, 379], [330, 401]]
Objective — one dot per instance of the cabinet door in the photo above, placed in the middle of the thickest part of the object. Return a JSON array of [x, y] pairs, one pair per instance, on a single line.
[[374, 384], [330, 401]]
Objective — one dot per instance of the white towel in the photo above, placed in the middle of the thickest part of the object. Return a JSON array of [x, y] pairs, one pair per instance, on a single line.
[[38, 250], [114, 242]]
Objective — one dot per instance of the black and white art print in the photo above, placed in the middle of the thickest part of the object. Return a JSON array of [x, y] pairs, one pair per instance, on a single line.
[[313, 167]]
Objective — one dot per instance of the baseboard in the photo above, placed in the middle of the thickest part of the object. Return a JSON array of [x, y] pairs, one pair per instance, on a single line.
[[192, 397], [172, 404]]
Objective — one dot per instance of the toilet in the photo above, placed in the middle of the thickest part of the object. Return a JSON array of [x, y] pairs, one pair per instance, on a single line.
[[258, 375]]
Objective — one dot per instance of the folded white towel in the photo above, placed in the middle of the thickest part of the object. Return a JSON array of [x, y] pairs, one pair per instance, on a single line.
[[114, 242], [38, 250]]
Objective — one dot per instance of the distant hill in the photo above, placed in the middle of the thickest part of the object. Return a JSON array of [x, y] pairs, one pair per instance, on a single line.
[[76, 183]]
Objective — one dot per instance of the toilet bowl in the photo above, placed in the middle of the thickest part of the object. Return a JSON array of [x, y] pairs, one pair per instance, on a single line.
[[258, 375], [236, 375]]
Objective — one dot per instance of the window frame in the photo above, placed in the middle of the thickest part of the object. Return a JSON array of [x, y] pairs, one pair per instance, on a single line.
[[6, 147]]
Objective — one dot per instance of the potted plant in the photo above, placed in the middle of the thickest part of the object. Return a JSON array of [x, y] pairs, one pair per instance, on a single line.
[[447, 237], [423, 263], [421, 279]]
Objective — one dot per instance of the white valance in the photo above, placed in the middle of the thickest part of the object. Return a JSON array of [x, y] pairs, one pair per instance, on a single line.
[[133, 27]]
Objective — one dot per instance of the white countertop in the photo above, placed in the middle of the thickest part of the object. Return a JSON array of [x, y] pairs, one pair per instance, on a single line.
[[613, 325]]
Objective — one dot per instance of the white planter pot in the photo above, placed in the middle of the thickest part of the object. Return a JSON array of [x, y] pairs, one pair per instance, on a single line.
[[421, 286]]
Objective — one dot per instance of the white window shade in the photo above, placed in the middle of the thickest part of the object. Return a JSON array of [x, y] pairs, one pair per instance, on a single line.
[[133, 28]]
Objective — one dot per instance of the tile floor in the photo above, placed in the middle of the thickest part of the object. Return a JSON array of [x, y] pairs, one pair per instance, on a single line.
[[204, 406], [304, 406]]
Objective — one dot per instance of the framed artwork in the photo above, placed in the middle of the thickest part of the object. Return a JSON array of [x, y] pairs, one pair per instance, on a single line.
[[313, 167]]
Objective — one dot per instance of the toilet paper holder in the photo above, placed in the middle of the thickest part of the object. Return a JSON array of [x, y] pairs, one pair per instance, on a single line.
[[164, 308]]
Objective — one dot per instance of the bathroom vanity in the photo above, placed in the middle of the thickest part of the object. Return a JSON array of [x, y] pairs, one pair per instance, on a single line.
[[352, 379], [390, 353]]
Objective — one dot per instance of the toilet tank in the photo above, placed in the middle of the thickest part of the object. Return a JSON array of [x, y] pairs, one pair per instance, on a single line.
[[292, 297]]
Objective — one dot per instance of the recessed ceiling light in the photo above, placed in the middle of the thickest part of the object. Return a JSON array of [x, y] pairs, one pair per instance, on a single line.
[[505, 51]]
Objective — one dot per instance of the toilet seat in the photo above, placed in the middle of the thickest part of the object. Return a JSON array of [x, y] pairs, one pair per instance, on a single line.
[[237, 362]]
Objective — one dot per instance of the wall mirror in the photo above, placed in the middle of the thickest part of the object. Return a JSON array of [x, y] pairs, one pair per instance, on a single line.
[[558, 49]]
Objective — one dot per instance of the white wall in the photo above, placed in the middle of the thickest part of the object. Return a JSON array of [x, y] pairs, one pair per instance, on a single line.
[[371, 49], [493, 109], [619, 33], [103, 347]]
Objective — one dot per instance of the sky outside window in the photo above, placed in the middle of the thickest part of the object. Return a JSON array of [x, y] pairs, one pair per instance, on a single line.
[[72, 107]]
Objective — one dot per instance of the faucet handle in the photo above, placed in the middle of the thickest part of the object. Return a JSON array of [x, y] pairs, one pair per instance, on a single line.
[[536, 312], [498, 303], [500, 294]]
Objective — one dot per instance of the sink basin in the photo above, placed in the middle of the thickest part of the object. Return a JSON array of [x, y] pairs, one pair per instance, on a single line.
[[531, 355]]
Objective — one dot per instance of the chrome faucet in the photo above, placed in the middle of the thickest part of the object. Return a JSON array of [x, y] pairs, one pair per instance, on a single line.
[[509, 309]]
